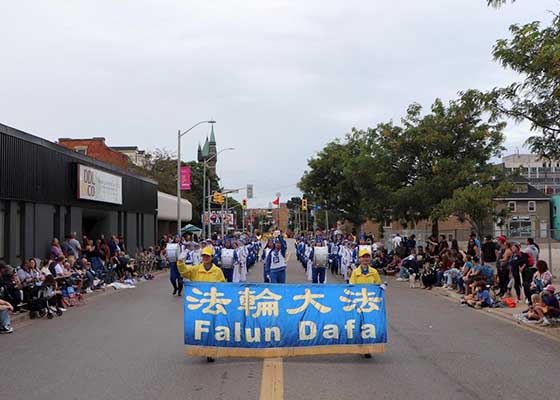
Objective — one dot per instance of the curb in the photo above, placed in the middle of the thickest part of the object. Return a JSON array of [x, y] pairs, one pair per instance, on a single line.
[[546, 332], [14, 319]]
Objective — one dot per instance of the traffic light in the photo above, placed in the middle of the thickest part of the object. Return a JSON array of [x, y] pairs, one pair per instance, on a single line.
[[244, 203], [304, 204], [217, 197]]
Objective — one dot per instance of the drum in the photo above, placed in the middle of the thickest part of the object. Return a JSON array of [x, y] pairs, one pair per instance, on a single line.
[[320, 256]]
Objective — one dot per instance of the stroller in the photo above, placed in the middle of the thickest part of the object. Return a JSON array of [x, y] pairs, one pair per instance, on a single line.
[[41, 304]]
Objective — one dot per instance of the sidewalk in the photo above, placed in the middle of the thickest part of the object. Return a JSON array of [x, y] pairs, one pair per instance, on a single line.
[[20, 317], [505, 314]]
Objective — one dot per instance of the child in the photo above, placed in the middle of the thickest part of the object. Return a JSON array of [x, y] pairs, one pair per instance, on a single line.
[[481, 297]]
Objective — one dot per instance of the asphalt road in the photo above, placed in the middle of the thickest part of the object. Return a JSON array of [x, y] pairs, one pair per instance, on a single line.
[[128, 345]]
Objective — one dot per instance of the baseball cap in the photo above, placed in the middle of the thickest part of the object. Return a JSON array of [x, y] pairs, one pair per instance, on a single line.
[[364, 252], [207, 251], [550, 289]]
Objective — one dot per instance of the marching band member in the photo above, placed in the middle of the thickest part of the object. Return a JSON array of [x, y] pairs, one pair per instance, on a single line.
[[172, 252], [319, 260], [227, 259], [266, 251], [276, 261]]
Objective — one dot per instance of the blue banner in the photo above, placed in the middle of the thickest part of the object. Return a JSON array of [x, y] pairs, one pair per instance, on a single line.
[[264, 316]]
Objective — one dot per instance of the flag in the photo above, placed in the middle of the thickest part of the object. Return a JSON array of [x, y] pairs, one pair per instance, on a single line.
[[276, 201]]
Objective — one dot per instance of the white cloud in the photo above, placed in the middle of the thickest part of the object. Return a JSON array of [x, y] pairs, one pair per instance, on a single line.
[[282, 78]]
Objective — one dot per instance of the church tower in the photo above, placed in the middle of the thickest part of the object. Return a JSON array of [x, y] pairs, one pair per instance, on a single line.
[[212, 152]]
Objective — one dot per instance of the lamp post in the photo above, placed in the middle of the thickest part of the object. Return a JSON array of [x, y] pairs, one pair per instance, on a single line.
[[179, 136], [204, 194]]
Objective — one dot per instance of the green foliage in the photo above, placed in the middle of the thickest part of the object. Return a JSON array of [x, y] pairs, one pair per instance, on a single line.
[[534, 52], [403, 172], [473, 204]]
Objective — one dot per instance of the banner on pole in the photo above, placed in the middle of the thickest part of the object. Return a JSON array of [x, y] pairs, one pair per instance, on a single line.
[[186, 178], [264, 320]]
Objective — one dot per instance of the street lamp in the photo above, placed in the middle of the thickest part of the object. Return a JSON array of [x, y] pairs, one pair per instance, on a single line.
[[179, 136], [204, 164]]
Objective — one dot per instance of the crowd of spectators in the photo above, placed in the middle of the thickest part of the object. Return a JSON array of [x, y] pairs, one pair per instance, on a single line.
[[491, 273], [71, 270]]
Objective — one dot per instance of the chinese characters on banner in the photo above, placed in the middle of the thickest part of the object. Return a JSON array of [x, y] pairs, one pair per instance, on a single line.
[[256, 320], [186, 178]]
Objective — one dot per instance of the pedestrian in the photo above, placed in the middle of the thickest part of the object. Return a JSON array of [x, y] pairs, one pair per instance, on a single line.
[[518, 262], [276, 260]]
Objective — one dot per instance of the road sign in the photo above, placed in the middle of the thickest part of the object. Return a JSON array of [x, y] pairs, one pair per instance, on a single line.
[[249, 191]]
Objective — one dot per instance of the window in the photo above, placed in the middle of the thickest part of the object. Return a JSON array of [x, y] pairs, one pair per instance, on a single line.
[[520, 229], [512, 206], [532, 206], [554, 212], [81, 150]]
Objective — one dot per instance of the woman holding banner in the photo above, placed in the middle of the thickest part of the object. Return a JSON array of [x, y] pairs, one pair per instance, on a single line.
[[365, 274], [205, 272]]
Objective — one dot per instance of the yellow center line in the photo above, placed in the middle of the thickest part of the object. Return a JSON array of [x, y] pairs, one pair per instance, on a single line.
[[272, 380]]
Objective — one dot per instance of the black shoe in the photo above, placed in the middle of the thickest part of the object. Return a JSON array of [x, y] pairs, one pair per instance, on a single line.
[[6, 329], [180, 294], [367, 355], [174, 292], [210, 359]]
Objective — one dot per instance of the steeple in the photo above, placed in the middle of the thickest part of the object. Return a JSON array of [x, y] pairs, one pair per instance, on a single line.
[[212, 136], [205, 149], [199, 153]]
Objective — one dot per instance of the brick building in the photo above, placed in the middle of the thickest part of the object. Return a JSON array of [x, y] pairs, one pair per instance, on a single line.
[[96, 148]]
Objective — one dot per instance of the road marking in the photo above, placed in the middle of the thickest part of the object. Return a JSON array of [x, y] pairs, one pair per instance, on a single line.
[[272, 380]]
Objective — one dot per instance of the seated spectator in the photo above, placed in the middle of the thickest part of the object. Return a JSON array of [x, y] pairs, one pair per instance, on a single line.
[[464, 274], [58, 269], [12, 288], [475, 275], [5, 324], [542, 278], [481, 296], [45, 267], [452, 275], [428, 277], [544, 306]]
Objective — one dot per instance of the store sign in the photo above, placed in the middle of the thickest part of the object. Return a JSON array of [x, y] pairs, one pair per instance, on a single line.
[[97, 185], [217, 216]]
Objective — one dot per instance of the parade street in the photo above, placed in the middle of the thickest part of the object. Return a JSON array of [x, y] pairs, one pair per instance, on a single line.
[[129, 345]]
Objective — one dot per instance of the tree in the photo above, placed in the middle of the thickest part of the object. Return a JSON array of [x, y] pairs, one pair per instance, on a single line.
[[162, 167], [328, 182], [422, 163], [474, 204], [534, 52]]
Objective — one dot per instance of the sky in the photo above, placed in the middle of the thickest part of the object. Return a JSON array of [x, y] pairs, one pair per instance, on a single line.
[[281, 78]]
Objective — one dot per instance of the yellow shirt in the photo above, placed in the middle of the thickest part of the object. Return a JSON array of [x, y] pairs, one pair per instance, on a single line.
[[197, 273], [371, 277]]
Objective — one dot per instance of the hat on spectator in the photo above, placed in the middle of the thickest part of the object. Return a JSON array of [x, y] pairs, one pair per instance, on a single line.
[[364, 252], [502, 239], [550, 288], [207, 251]]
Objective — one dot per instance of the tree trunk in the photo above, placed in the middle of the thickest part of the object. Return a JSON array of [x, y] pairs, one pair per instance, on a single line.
[[435, 227]]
